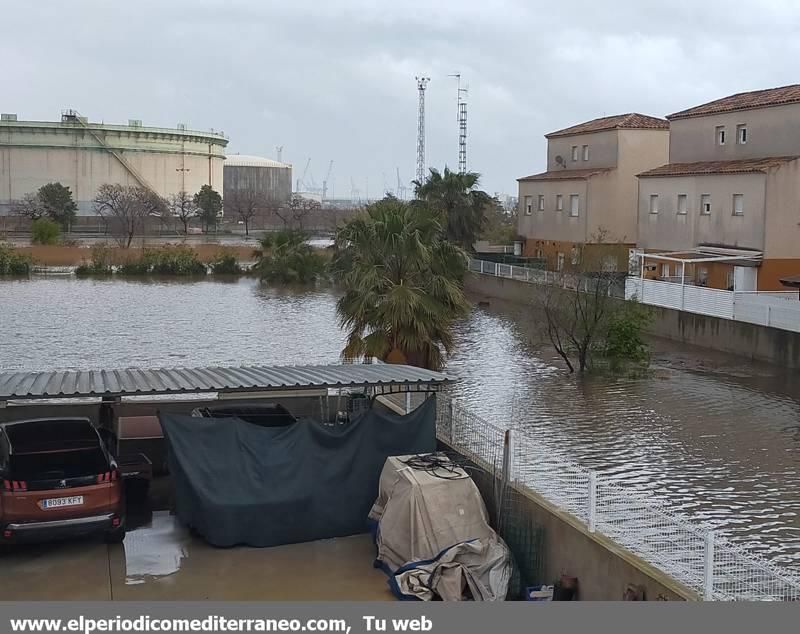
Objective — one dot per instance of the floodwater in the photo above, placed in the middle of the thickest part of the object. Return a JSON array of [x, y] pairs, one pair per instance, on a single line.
[[710, 435]]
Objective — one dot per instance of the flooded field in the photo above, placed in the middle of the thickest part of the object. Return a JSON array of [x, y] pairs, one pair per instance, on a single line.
[[711, 435]]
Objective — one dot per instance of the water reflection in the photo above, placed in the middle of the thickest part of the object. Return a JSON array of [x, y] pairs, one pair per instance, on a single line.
[[717, 438], [155, 549]]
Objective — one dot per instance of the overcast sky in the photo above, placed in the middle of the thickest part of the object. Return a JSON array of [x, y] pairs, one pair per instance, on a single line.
[[334, 79]]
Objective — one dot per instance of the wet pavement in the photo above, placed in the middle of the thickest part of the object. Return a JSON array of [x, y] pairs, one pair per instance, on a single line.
[[160, 560]]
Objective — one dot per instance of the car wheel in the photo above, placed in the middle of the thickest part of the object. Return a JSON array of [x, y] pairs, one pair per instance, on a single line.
[[114, 537]]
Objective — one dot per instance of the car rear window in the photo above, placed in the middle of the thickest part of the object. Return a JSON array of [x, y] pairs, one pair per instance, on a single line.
[[57, 465]]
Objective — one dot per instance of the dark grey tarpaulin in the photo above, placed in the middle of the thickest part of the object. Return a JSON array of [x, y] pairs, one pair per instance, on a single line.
[[238, 483], [135, 382]]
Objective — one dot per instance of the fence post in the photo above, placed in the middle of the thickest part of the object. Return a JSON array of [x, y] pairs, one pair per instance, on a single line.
[[451, 411], [768, 313], [592, 510], [708, 567], [408, 402], [508, 456], [481, 261]]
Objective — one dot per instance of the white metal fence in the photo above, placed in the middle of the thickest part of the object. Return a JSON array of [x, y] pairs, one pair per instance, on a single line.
[[686, 551], [778, 310]]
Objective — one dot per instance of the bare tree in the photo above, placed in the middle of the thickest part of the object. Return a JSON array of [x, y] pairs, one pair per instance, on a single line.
[[182, 207], [295, 212], [127, 207], [245, 205], [29, 206]]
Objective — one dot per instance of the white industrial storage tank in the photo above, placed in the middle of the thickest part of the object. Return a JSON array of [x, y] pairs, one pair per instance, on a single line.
[[270, 180], [84, 155]]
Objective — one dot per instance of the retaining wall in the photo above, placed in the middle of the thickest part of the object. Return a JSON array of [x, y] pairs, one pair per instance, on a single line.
[[761, 343]]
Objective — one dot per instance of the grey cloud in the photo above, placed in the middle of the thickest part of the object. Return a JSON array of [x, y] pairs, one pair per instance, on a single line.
[[335, 80]]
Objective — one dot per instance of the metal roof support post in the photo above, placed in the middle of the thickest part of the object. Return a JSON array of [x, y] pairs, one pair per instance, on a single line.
[[708, 567], [408, 402]]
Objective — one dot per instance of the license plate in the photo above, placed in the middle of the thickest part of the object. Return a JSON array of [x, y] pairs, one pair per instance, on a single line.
[[53, 503]]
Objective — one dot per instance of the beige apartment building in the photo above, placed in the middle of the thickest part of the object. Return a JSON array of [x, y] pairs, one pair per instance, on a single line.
[[726, 207], [589, 192]]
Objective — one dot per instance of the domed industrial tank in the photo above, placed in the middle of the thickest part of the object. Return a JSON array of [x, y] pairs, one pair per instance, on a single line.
[[270, 180], [84, 155]]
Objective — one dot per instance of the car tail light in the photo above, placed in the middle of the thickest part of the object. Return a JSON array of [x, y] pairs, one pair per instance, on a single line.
[[15, 485], [115, 521], [7, 533], [108, 476]]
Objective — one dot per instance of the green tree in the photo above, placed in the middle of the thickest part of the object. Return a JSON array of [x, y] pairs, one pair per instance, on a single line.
[[286, 258], [402, 284], [500, 225], [45, 231], [58, 203], [457, 197], [209, 203]]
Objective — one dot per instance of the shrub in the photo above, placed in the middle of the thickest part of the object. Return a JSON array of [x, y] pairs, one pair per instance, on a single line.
[[170, 260], [99, 264], [286, 258], [12, 262], [45, 231], [225, 264], [625, 334]]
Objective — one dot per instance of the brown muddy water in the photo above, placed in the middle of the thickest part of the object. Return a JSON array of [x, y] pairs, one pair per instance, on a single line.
[[710, 435]]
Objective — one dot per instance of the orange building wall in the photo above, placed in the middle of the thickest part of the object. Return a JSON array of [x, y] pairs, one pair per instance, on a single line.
[[770, 272]]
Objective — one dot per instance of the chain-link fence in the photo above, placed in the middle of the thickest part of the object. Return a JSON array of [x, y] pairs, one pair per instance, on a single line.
[[687, 551]]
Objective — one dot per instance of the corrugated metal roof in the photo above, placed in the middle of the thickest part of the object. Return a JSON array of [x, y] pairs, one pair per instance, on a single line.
[[131, 382]]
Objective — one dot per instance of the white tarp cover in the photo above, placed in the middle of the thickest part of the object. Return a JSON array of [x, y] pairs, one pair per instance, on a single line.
[[434, 538]]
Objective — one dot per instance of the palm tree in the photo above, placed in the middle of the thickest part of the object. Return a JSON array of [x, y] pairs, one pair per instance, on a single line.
[[286, 258], [455, 195], [402, 284]]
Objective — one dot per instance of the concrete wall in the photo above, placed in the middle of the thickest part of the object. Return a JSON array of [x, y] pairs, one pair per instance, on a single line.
[[33, 154], [782, 227], [752, 341], [602, 150], [773, 131], [672, 231]]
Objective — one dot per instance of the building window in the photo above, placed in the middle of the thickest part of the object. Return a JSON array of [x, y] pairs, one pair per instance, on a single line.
[[539, 253], [682, 204], [665, 271], [585, 152], [741, 134], [705, 205], [559, 202], [653, 203], [574, 255], [574, 152], [738, 205], [528, 205], [574, 205], [560, 262], [701, 278], [541, 202], [720, 135]]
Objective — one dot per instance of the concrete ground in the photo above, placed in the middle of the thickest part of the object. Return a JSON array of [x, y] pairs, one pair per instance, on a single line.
[[160, 560]]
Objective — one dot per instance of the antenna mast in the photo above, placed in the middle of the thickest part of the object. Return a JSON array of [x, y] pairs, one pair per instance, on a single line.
[[422, 83], [462, 125]]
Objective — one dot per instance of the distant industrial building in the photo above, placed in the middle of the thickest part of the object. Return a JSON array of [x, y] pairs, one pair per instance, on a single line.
[[270, 181], [84, 155]]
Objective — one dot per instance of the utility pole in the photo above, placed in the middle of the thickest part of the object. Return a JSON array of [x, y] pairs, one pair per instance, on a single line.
[[462, 125], [422, 83]]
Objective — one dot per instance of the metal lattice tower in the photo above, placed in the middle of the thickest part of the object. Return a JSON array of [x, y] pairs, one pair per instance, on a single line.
[[462, 125], [422, 83]]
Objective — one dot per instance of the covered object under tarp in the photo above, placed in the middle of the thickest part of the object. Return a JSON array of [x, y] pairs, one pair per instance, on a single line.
[[239, 483], [433, 535]]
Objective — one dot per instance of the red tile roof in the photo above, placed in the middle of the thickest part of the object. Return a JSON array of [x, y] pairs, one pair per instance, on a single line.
[[718, 167], [565, 175], [744, 101], [632, 120]]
